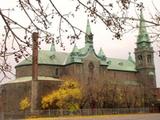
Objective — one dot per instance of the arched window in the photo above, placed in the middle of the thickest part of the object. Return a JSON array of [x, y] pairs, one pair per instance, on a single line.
[[91, 73], [149, 60], [140, 58]]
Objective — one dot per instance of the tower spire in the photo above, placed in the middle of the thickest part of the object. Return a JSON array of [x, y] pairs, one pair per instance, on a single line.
[[144, 56], [88, 28], [89, 35], [143, 38]]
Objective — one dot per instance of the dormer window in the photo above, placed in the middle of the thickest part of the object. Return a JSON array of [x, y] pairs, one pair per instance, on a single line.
[[121, 63], [52, 57]]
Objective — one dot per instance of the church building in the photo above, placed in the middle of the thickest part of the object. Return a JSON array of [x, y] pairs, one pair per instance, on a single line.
[[84, 65]]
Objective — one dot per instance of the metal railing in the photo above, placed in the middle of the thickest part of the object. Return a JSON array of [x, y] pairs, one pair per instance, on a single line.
[[80, 112]]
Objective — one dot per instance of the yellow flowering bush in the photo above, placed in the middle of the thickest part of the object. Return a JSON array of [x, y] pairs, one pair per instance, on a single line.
[[24, 103], [66, 97]]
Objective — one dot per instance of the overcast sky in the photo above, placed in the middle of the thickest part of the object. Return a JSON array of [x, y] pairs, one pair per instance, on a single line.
[[102, 38]]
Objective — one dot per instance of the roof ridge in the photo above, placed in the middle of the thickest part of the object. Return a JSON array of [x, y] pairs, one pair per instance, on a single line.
[[117, 58]]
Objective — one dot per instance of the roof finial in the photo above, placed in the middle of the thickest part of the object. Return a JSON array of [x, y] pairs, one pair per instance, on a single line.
[[101, 54], [75, 49], [52, 47], [130, 57]]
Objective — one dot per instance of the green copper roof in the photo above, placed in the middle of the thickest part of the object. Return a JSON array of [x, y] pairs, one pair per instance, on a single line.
[[61, 58], [143, 38], [101, 53], [120, 64], [47, 57]]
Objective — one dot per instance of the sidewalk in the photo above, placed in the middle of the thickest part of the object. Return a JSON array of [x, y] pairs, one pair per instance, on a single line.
[[149, 116]]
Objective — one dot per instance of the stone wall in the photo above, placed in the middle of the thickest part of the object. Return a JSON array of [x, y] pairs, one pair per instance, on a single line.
[[80, 72], [13, 93], [43, 70], [120, 76]]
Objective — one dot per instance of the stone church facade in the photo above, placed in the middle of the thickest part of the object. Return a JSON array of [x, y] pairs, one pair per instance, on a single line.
[[84, 65]]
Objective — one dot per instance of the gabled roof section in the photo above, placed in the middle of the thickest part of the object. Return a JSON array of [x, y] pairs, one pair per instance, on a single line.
[[48, 58], [121, 65]]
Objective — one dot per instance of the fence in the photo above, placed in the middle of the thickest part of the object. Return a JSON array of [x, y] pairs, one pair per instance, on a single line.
[[81, 112]]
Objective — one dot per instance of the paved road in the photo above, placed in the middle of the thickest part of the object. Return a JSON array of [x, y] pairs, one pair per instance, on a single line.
[[136, 117], [117, 117]]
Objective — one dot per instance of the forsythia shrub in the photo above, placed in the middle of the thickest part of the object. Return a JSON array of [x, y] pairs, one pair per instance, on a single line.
[[66, 97], [24, 103]]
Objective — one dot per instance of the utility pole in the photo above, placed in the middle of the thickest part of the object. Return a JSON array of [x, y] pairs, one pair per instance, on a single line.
[[34, 82]]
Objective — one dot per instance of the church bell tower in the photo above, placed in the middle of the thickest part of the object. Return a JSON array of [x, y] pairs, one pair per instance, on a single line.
[[144, 56]]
